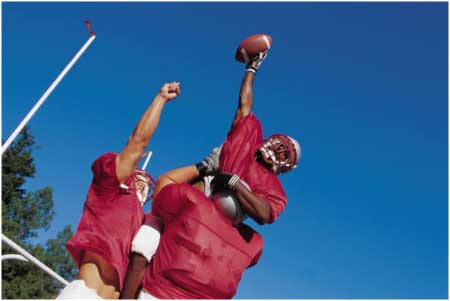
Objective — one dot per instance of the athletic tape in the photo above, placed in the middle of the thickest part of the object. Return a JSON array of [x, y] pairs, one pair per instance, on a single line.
[[233, 182]]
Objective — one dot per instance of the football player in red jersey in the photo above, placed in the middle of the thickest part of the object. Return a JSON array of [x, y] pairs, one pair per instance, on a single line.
[[246, 155], [113, 211], [202, 252]]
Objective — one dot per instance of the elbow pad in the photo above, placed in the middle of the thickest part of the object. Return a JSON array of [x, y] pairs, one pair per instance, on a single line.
[[146, 242]]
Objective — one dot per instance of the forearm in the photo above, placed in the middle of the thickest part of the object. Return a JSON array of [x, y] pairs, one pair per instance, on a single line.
[[148, 123], [245, 96], [176, 176], [255, 207], [246, 91], [128, 159], [135, 273]]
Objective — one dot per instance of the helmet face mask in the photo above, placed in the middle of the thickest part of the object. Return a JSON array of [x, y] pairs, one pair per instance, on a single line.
[[280, 152], [144, 183]]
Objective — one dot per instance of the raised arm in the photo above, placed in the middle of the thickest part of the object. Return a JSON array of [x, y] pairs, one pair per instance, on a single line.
[[245, 97], [246, 91], [127, 160]]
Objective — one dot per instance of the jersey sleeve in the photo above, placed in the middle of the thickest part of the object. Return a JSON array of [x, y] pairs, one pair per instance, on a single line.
[[255, 259], [273, 194], [104, 170], [242, 141]]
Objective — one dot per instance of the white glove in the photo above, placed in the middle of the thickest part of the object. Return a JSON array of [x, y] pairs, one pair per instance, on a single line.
[[210, 164]]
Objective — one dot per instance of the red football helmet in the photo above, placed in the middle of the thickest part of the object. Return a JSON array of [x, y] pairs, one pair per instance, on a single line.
[[281, 152]]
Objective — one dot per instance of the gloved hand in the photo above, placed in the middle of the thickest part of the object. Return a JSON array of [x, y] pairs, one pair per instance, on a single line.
[[223, 181], [256, 62], [210, 163]]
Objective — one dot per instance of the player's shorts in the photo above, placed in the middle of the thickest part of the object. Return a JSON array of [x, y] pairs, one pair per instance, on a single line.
[[77, 289], [144, 295]]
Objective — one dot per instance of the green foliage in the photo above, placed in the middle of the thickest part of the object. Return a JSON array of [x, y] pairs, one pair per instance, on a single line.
[[57, 257], [23, 215], [22, 280]]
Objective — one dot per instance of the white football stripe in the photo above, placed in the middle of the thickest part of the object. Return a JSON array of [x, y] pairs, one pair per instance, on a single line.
[[267, 41]]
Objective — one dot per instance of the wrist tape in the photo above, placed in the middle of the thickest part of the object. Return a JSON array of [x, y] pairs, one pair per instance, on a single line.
[[233, 182]]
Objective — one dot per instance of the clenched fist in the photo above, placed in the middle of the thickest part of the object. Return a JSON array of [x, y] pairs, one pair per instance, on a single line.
[[170, 90]]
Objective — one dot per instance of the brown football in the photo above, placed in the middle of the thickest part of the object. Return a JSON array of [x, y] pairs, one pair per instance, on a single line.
[[252, 46]]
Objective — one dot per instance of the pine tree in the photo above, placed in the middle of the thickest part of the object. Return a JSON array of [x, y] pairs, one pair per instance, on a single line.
[[24, 213]]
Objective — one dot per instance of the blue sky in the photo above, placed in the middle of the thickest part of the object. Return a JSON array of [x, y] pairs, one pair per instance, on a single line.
[[362, 86]]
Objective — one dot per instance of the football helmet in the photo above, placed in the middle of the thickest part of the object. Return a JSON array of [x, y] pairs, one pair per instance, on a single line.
[[280, 152]]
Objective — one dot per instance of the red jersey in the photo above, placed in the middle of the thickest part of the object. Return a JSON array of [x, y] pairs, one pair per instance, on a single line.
[[111, 217], [201, 255], [238, 157]]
